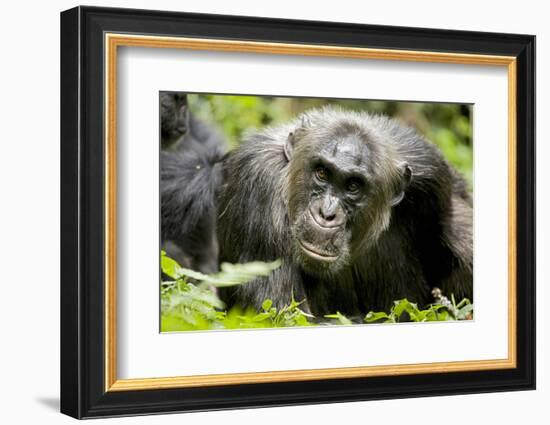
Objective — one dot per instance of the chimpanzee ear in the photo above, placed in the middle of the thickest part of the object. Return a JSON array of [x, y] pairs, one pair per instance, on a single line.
[[289, 146], [406, 177], [182, 121], [294, 135], [180, 98]]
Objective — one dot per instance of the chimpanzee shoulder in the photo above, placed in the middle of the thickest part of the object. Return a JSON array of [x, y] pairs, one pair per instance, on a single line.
[[252, 224]]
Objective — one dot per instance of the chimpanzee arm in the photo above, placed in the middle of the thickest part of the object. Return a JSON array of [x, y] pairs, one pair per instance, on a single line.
[[281, 286], [457, 236]]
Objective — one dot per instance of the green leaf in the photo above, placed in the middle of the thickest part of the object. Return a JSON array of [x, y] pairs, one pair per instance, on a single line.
[[169, 266], [463, 303], [376, 316], [260, 317], [183, 272], [266, 305], [232, 274], [343, 320], [418, 315], [399, 307], [465, 311]]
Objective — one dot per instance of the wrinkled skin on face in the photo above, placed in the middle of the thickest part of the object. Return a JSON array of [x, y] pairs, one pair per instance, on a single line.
[[343, 185]]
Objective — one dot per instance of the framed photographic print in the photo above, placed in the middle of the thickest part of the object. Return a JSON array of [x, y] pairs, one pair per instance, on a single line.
[[261, 212]]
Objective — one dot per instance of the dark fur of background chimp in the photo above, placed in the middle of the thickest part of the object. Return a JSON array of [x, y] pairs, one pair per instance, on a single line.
[[402, 239], [190, 176]]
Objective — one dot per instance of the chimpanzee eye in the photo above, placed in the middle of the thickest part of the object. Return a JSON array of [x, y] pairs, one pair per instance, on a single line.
[[321, 173], [353, 187]]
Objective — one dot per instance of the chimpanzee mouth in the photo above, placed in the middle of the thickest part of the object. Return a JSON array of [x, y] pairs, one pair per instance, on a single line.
[[316, 253]]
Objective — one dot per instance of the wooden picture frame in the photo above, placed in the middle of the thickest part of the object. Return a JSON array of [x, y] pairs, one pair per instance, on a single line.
[[90, 38]]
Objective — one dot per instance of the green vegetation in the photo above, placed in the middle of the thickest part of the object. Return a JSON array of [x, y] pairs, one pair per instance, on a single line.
[[195, 306], [189, 306], [445, 124], [437, 312]]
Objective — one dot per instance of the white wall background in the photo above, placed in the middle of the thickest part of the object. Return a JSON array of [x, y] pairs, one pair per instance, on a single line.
[[29, 210]]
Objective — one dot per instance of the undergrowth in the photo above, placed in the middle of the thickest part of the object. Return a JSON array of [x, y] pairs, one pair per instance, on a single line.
[[189, 302]]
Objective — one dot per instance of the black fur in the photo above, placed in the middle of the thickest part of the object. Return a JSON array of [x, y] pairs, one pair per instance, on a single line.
[[180, 129], [409, 230], [189, 183], [190, 179]]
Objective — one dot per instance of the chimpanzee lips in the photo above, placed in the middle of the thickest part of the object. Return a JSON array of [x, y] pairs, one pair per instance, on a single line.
[[316, 253]]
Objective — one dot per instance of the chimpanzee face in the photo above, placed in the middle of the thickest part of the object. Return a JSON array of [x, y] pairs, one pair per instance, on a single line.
[[342, 188], [174, 117]]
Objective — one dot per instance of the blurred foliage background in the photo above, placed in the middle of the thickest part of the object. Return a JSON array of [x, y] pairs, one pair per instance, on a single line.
[[447, 125]]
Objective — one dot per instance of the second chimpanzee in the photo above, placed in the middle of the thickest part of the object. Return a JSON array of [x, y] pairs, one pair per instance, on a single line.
[[190, 176]]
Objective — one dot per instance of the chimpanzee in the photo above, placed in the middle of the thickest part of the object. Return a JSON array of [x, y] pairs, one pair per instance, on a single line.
[[190, 175], [179, 127], [361, 209]]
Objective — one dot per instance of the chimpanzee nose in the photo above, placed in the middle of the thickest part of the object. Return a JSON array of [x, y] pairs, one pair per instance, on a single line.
[[327, 212], [328, 215]]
